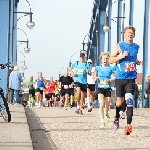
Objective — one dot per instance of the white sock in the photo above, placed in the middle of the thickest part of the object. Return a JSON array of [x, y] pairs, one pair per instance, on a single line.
[[121, 112], [102, 120], [105, 112], [78, 107], [88, 101]]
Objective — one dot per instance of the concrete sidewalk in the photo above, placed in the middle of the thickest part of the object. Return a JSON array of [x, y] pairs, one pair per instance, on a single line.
[[15, 135], [70, 131]]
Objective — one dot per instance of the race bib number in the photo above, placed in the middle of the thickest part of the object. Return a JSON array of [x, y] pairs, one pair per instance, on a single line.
[[65, 86], [130, 67], [80, 71], [103, 84], [41, 88]]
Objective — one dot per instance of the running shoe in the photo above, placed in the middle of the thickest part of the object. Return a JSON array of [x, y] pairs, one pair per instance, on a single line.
[[107, 117], [128, 129], [89, 109], [77, 111], [116, 124], [80, 112], [102, 125]]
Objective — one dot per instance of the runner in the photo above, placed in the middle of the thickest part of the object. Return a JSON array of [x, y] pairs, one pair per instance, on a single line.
[[90, 87], [31, 87], [79, 70], [39, 84], [125, 55], [103, 77], [71, 94], [50, 92], [65, 83]]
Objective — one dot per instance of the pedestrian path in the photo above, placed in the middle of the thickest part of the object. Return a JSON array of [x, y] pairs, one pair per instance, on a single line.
[[70, 131], [15, 135]]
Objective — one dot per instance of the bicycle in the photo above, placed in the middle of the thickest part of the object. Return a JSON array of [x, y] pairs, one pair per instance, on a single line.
[[4, 109]]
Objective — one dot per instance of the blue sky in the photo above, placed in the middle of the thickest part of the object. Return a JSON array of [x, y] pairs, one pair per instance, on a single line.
[[60, 27]]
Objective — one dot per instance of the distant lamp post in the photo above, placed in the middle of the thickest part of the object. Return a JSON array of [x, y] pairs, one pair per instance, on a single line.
[[70, 59], [84, 40], [26, 49], [30, 24], [60, 71], [24, 67], [106, 27]]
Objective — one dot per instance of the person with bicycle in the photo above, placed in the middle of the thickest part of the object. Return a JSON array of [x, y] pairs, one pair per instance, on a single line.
[[4, 109]]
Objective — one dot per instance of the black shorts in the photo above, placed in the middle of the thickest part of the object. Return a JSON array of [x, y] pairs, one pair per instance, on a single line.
[[49, 96], [124, 86], [105, 92], [83, 87], [91, 87], [72, 91], [63, 92], [32, 91], [38, 90]]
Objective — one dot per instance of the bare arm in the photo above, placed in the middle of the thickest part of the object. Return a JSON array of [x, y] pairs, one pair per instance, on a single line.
[[72, 73], [139, 62], [95, 76], [114, 56]]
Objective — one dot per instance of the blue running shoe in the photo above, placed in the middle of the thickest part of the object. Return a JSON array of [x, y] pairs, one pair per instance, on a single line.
[[77, 111]]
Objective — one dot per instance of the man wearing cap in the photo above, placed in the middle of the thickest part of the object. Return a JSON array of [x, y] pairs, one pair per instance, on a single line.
[[90, 86], [79, 71]]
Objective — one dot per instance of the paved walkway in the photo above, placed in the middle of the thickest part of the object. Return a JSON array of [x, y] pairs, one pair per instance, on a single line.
[[70, 131], [15, 135]]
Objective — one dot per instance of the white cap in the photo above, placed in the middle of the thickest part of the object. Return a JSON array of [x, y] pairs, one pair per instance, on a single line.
[[89, 61], [93, 69]]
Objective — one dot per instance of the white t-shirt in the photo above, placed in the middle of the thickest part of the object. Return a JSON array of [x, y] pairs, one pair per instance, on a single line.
[[90, 79]]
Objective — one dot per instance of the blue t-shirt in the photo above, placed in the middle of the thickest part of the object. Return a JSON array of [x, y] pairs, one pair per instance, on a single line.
[[126, 67], [104, 73], [80, 71], [40, 83]]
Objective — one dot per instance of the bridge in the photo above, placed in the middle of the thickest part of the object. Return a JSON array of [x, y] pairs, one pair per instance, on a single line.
[[64, 129], [107, 15]]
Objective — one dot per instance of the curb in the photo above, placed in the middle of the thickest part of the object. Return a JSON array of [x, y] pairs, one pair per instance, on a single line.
[[40, 139]]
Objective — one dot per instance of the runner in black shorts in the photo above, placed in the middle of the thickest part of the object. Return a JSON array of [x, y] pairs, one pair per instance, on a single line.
[[125, 57], [65, 83], [79, 71], [103, 76]]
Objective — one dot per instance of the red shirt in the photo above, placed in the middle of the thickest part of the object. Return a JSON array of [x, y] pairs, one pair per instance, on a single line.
[[51, 87]]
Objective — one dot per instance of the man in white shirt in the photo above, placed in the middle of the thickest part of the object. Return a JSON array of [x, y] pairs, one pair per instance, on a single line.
[[90, 87]]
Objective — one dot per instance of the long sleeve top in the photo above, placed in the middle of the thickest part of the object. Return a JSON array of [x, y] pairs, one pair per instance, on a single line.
[[15, 80]]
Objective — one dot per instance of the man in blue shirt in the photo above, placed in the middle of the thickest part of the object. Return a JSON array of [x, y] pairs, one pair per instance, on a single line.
[[125, 55], [79, 71], [40, 83]]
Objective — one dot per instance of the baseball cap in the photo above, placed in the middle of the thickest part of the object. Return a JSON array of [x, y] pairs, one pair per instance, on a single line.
[[82, 54], [89, 61]]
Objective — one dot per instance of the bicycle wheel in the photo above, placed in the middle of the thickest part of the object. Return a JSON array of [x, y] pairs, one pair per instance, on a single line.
[[7, 115]]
